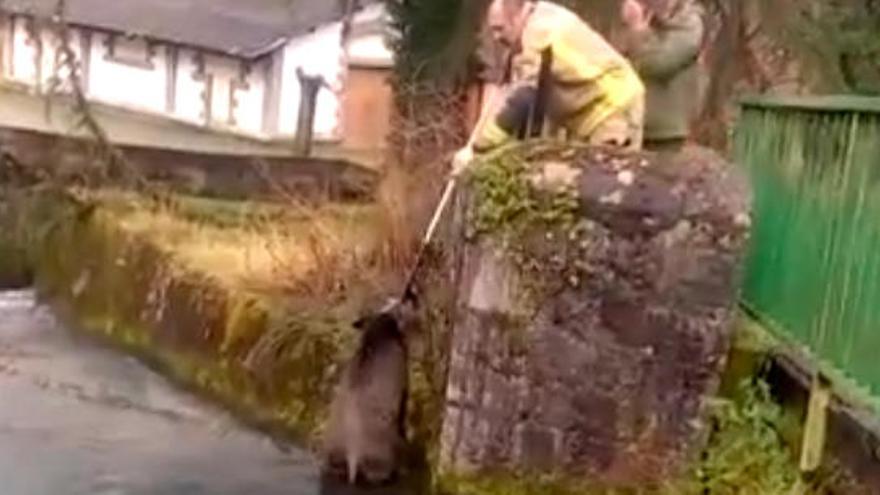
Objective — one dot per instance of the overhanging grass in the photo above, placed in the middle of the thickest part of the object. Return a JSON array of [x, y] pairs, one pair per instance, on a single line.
[[264, 247]]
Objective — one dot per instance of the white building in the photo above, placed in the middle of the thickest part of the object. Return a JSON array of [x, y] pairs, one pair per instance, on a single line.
[[229, 65]]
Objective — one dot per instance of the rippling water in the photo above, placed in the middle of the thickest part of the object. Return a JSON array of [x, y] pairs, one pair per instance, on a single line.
[[80, 419]]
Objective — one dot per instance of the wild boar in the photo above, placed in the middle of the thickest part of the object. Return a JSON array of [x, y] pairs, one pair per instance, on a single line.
[[365, 432]]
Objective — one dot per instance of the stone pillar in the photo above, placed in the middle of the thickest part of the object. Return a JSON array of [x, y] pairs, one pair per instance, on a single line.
[[589, 346]]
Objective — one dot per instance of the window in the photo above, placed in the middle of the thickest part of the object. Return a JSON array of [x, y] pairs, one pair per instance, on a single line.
[[130, 50]]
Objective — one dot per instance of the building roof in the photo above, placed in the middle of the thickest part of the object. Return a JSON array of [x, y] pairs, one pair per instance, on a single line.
[[246, 28]]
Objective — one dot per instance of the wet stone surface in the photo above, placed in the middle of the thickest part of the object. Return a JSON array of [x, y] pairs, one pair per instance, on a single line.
[[79, 419]]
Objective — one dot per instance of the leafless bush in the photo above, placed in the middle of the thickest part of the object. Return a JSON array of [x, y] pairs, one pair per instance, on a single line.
[[110, 161], [429, 125]]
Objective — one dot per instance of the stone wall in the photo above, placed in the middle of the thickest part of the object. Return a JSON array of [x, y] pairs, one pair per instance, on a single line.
[[219, 175], [590, 333]]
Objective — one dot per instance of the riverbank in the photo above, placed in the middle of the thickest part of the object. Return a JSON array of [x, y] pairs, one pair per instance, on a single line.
[[249, 304]]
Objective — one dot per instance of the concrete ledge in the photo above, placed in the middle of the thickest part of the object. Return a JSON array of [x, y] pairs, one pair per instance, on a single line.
[[226, 175]]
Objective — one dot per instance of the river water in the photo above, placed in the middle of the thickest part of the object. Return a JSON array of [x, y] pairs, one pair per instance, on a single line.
[[80, 419]]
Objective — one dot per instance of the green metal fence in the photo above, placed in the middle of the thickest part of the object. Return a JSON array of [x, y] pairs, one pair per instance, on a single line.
[[814, 268]]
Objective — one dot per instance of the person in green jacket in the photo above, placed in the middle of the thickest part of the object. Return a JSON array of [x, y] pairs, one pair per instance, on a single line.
[[663, 40]]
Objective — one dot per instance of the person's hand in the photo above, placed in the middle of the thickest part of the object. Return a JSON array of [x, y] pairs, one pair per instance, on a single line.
[[462, 160], [635, 16]]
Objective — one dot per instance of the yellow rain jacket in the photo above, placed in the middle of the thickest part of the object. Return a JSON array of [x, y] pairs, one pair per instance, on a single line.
[[589, 80]]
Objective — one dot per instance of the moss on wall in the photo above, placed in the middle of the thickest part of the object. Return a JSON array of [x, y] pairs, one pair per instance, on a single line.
[[14, 266]]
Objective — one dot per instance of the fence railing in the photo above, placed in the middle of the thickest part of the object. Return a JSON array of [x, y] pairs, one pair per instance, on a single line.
[[814, 267]]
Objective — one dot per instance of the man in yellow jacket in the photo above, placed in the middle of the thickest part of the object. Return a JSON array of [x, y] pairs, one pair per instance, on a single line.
[[590, 90]]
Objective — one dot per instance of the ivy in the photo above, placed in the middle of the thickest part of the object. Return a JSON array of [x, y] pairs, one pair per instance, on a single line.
[[434, 39]]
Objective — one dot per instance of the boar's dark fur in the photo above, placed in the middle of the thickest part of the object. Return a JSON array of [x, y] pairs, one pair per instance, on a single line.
[[365, 433]]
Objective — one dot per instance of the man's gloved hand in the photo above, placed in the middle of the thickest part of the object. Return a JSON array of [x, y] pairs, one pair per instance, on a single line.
[[462, 161]]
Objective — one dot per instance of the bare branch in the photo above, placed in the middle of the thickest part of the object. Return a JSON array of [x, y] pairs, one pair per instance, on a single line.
[[116, 164]]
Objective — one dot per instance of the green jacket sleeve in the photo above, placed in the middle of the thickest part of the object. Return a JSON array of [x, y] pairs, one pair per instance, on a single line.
[[666, 49]]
